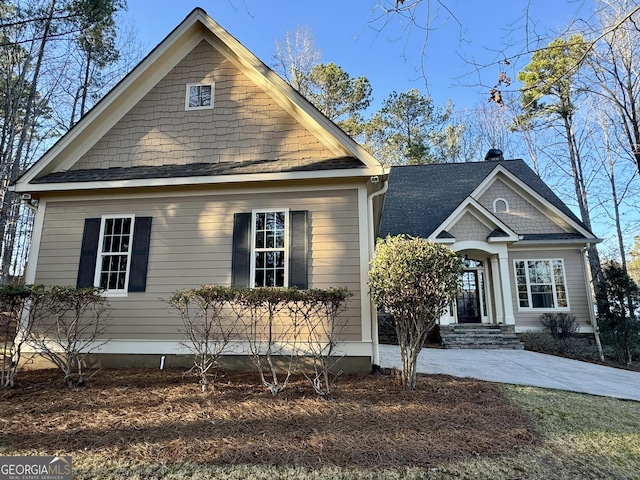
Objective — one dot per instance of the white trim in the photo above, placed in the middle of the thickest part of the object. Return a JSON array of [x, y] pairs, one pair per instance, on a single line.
[[526, 246], [492, 248], [367, 251], [191, 181], [364, 230], [34, 246], [505, 284], [498, 295], [123, 292], [173, 347], [530, 308], [472, 206], [287, 251], [222, 190], [187, 107]]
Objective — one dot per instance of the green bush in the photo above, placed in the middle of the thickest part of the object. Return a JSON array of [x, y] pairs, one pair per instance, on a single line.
[[414, 280], [618, 305]]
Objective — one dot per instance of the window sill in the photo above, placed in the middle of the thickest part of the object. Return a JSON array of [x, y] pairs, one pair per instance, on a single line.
[[115, 294], [544, 310]]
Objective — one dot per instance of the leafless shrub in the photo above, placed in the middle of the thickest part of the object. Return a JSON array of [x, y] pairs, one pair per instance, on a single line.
[[323, 330], [208, 327], [71, 325], [273, 337], [283, 328], [19, 306]]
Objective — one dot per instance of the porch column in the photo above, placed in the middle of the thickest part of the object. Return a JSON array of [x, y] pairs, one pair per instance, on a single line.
[[507, 298], [497, 289]]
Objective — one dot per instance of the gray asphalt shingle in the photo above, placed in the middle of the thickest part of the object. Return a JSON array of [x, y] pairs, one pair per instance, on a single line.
[[421, 197], [199, 170]]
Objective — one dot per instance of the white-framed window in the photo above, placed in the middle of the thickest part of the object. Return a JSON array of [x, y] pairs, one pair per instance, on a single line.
[[270, 248], [541, 284], [500, 205], [113, 264], [199, 96]]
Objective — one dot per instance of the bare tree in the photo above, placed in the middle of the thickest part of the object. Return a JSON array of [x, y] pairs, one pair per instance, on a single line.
[[615, 65], [414, 21], [295, 57], [36, 71]]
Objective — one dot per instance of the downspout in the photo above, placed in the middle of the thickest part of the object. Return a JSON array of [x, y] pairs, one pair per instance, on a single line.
[[592, 315], [375, 357], [27, 203]]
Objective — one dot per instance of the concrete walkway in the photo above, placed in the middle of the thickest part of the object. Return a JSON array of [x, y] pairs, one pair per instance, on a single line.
[[522, 367]]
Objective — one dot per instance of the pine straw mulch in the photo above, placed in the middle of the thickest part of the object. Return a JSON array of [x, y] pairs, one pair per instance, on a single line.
[[159, 416]]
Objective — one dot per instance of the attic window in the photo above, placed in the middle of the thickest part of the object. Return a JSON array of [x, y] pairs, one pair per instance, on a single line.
[[500, 205], [199, 96]]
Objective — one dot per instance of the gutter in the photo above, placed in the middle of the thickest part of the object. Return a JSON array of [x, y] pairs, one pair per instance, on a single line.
[[566, 241], [375, 350]]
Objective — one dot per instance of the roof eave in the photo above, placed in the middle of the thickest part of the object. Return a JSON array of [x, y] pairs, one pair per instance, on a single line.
[[559, 241], [196, 180]]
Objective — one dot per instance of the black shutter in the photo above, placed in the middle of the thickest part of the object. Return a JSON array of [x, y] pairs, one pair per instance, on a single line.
[[88, 253], [140, 254], [240, 258], [299, 245]]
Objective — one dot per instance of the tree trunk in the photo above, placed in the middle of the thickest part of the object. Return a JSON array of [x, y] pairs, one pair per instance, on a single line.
[[583, 204], [10, 202]]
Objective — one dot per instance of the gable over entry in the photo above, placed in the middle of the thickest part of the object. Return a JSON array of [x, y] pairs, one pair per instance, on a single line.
[[524, 249]]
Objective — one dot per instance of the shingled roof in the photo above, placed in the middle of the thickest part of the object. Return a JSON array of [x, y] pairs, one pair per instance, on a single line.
[[421, 197], [198, 170]]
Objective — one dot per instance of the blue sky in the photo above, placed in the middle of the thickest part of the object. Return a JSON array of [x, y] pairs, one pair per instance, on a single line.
[[474, 32], [348, 34]]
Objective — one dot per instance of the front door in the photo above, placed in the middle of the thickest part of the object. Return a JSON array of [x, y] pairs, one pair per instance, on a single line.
[[468, 301]]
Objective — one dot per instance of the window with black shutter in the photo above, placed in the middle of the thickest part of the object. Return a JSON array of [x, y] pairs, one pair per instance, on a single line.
[[115, 253], [270, 249]]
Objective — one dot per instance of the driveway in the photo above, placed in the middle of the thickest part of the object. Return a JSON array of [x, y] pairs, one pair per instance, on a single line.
[[522, 367]]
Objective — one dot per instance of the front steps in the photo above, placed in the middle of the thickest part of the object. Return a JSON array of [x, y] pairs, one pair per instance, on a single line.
[[480, 336]]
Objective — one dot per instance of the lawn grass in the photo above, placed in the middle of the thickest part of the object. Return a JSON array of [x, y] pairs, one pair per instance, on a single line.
[[450, 428]]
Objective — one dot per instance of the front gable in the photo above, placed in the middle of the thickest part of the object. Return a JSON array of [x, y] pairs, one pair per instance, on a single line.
[[143, 123], [472, 222], [469, 227], [529, 212]]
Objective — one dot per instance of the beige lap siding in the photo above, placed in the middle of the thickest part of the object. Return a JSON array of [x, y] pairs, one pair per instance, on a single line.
[[191, 244], [579, 301]]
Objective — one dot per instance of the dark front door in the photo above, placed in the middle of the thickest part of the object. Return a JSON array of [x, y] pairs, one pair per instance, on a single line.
[[469, 298]]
